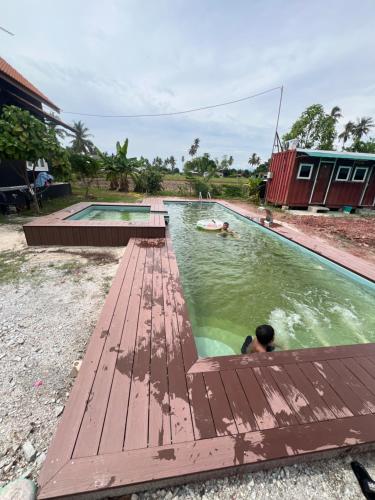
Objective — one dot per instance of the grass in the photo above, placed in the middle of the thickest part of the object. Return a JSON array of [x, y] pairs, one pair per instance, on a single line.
[[11, 263]]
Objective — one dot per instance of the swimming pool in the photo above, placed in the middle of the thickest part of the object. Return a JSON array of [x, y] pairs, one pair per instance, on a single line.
[[233, 285], [112, 212]]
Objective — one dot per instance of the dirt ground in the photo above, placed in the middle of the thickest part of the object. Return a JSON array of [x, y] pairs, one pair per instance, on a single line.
[[50, 300]]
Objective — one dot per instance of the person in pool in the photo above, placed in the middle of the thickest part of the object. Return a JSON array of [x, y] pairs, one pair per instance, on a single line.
[[225, 231], [263, 341]]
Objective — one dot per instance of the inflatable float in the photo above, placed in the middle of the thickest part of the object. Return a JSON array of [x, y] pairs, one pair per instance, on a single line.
[[210, 224]]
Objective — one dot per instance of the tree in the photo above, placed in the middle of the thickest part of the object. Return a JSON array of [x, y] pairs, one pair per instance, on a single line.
[[125, 166], [86, 167], [172, 162], [201, 165], [230, 160], [336, 113], [148, 179], [254, 160], [80, 142], [362, 127], [110, 170], [157, 162], [24, 137], [347, 133], [314, 129], [194, 148]]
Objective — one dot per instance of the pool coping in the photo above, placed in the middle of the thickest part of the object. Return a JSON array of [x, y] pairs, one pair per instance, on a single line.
[[57, 229]]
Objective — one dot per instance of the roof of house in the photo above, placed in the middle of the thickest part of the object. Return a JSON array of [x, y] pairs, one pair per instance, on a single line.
[[13, 76], [337, 154]]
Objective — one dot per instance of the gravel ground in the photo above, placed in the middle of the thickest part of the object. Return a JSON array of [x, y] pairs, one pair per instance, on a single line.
[[49, 304], [320, 480], [50, 300]]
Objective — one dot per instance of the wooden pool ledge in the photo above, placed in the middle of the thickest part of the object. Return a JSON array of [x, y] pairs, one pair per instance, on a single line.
[[145, 411]]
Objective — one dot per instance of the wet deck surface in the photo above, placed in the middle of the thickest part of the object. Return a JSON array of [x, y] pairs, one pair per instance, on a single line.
[[145, 411]]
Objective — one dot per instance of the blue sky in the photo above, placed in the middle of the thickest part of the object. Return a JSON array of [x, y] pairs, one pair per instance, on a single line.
[[143, 56]]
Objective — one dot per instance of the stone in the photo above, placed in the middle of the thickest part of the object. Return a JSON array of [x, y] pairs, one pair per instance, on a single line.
[[76, 367], [40, 459], [134, 496], [28, 451], [21, 489], [58, 410]]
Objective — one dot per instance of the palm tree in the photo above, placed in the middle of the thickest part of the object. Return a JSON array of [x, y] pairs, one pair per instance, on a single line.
[[336, 113], [230, 161], [80, 142], [172, 162], [362, 127], [254, 160], [125, 166], [347, 133], [194, 148]]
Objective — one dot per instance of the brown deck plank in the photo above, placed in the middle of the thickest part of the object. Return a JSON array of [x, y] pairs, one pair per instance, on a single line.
[[256, 399], [136, 435], [221, 412], [242, 413], [63, 443], [235, 362], [189, 349], [318, 406], [280, 408], [293, 396], [360, 373], [145, 467], [88, 439], [159, 412], [367, 364], [181, 420], [357, 387], [356, 405], [203, 423], [325, 391]]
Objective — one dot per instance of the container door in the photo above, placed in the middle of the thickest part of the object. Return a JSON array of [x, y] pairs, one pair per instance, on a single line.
[[322, 182]]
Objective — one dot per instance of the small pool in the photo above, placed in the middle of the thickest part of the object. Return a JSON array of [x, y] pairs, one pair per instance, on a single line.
[[112, 212], [233, 285]]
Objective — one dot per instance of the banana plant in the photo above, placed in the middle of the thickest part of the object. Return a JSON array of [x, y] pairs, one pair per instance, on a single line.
[[126, 167]]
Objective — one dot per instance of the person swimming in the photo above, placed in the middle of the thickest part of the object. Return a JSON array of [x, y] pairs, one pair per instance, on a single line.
[[263, 342], [225, 231]]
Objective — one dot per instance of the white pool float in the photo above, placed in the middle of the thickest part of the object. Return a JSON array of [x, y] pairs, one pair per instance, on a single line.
[[210, 224]]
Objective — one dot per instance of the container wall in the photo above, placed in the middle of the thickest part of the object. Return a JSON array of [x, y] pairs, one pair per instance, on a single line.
[[281, 167]]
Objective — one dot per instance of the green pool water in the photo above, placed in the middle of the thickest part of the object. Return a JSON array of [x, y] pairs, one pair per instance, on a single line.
[[233, 285], [112, 212]]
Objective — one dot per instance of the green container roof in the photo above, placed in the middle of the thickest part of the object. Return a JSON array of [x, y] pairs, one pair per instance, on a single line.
[[337, 154]]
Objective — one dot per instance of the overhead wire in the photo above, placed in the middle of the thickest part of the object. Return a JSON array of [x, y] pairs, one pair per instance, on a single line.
[[173, 113]]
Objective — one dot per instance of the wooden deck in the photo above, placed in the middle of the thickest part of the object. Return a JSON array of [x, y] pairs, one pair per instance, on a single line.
[[145, 411], [57, 229]]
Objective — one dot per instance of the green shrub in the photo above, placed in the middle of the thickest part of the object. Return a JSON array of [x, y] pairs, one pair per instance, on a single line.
[[232, 191], [149, 180], [200, 186], [253, 185]]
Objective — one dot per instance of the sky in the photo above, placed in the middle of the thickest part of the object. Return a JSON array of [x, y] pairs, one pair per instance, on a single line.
[[144, 56]]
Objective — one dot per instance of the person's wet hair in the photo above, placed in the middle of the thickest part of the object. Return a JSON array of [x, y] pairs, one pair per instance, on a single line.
[[265, 334], [225, 223]]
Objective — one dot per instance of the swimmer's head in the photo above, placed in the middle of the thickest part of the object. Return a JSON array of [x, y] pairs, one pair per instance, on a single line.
[[225, 226]]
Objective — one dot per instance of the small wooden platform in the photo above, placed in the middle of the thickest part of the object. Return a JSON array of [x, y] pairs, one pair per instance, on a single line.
[[146, 412], [58, 229]]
